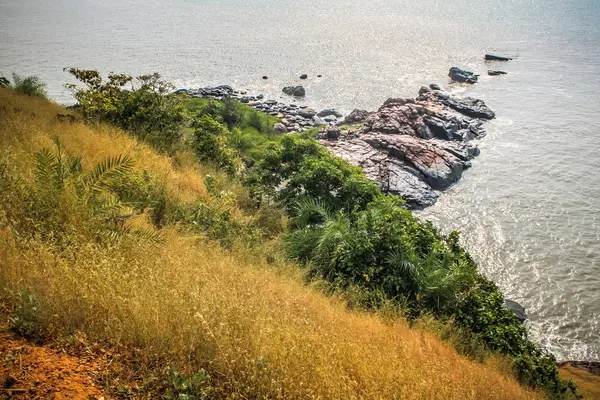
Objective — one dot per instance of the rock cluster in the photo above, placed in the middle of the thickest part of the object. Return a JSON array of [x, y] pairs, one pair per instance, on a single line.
[[294, 118], [413, 147]]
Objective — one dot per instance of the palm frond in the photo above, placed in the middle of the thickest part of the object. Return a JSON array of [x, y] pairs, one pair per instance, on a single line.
[[310, 211], [110, 168], [45, 166]]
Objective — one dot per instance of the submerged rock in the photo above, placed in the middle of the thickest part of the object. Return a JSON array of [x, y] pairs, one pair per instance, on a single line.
[[413, 147], [495, 72], [303, 76], [463, 76]]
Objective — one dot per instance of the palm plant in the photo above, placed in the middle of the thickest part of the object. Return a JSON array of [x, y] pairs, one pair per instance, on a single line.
[[30, 85]]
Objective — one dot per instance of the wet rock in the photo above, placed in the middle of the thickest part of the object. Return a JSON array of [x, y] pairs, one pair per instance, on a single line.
[[265, 77], [413, 147], [303, 76], [318, 121], [260, 96], [435, 86], [492, 57], [329, 111], [492, 72], [319, 76], [279, 129], [356, 115], [518, 309], [463, 76], [296, 91], [307, 112]]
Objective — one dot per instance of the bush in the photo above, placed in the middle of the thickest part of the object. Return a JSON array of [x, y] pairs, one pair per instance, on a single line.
[[148, 111], [30, 85], [210, 144], [26, 316]]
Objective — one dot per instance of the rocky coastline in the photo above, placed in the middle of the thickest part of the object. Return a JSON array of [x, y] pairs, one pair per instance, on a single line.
[[411, 147]]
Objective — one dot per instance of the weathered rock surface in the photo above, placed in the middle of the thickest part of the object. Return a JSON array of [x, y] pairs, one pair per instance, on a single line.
[[414, 147], [356, 116], [461, 75]]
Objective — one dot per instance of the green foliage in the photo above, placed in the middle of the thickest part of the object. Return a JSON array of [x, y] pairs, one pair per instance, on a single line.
[[300, 167], [25, 318], [249, 131], [30, 85], [181, 387], [210, 144], [147, 109], [63, 195]]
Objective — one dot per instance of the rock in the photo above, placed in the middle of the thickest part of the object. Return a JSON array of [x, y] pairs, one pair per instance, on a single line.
[[319, 76], [413, 147], [279, 129], [329, 111], [356, 115], [469, 106], [492, 57], [260, 96], [318, 121], [461, 75], [297, 91], [245, 100], [307, 112], [303, 76], [435, 86], [332, 132], [265, 77], [495, 72], [518, 309]]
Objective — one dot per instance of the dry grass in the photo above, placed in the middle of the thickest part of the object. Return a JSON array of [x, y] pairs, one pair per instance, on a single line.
[[260, 334]]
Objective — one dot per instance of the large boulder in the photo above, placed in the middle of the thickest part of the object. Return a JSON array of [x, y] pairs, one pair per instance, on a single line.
[[518, 309], [463, 76], [279, 129], [296, 91], [413, 147]]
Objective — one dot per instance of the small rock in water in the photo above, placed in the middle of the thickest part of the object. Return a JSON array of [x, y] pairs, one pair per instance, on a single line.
[[319, 76], [495, 72], [435, 86], [296, 91], [329, 111], [461, 75], [260, 96], [492, 57], [265, 77], [303, 76]]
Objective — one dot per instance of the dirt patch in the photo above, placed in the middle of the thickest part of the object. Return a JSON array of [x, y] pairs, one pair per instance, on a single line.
[[33, 372]]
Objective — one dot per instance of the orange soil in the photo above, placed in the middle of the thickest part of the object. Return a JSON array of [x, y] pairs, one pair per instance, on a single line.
[[31, 372]]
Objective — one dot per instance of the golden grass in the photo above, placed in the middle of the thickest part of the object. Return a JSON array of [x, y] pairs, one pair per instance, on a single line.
[[260, 334], [588, 384]]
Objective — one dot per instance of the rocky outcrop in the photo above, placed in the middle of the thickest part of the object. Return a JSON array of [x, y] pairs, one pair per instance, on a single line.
[[463, 76], [414, 147], [518, 309]]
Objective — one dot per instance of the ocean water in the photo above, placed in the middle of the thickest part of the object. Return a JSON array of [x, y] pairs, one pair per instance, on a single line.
[[529, 209]]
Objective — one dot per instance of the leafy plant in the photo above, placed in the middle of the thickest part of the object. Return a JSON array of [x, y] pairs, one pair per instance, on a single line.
[[147, 109], [181, 387], [26, 316], [30, 85]]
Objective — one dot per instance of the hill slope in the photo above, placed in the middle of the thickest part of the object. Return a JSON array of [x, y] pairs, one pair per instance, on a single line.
[[234, 324]]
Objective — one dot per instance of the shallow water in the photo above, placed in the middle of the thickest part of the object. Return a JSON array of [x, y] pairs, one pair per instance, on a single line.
[[528, 208]]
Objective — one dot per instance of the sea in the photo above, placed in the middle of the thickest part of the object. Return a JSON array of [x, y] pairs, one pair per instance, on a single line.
[[528, 209]]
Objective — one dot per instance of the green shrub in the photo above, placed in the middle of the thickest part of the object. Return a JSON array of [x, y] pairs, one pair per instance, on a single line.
[[25, 319], [147, 110], [181, 387], [210, 144], [30, 85]]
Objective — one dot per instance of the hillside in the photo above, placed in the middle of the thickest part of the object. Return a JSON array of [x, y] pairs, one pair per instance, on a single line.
[[178, 312]]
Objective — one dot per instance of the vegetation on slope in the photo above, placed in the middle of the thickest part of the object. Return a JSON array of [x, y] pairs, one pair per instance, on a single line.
[[112, 264]]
